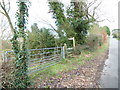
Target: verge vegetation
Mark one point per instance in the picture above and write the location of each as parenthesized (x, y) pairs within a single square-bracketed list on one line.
[(77, 20), (68, 64)]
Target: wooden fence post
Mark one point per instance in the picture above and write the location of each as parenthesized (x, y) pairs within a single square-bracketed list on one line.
[(73, 43), (63, 52), (65, 49)]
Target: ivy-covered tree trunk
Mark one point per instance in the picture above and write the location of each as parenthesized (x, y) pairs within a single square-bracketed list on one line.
[(64, 29), (21, 79), (58, 13), (77, 17)]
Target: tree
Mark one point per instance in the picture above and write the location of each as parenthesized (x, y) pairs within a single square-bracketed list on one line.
[(21, 79), (5, 12), (4, 27), (5, 22), (76, 22), (58, 13), (107, 30), (40, 38), (77, 19), (80, 16), (64, 29), (19, 47)]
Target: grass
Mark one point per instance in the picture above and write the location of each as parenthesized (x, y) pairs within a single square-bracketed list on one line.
[(118, 38), (64, 65), (68, 64)]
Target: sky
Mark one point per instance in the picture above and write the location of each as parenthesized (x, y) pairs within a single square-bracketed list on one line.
[(108, 10), (38, 13)]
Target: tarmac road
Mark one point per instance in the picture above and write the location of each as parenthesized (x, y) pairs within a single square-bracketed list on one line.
[(109, 77)]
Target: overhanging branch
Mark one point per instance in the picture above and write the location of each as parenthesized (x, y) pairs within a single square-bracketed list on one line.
[(5, 13)]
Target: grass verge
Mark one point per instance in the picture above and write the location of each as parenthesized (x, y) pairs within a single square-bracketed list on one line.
[(68, 64)]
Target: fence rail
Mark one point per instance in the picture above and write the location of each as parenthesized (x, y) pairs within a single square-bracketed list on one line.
[(69, 52), (39, 58)]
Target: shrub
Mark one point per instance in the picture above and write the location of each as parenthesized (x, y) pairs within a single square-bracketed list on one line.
[(114, 35), (77, 50), (107, 30), (40, 38), (100, 40), (93, 41)]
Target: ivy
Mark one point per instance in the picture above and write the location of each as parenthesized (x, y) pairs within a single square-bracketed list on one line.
[(64, 29), (74, 24), (77, 19), (19, 47)]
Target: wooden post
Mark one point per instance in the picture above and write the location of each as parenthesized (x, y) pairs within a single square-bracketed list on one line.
[(73, 39), (63, 52), (73, 43), (65, 49), (55, 52)]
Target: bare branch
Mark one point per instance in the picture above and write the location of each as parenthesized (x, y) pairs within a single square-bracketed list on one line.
[(46, 22), (96, 8), (91, 14), (4, 27), (101, 20), (5, 13), (3, 3), (8, 5), (91, 3), (2, 13)]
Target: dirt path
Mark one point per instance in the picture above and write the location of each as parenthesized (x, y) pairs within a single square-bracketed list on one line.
[(86, 76)]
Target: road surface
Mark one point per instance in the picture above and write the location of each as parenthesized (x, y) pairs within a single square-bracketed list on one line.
[(109, 77)]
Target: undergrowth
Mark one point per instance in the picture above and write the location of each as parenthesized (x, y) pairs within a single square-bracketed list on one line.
[(68, 64)]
